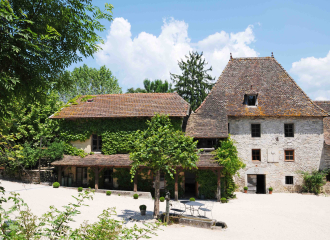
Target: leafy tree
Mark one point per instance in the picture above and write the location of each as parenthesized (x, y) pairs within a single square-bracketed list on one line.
[(40, 39), (227, 156), (161, 148), (90, 81), (195, 83), (157, 86)]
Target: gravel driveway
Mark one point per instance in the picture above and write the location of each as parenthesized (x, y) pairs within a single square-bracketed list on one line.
[(277, 216)]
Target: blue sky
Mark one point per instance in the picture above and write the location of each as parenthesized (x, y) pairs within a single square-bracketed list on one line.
[(146, 38)]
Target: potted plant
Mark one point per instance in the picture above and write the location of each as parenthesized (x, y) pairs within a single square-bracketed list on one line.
[(108, 193), (245, 189), (192, 199), (270, 190), (136, 196), (56, 185), (162, 199), (80, 189), (143, 209), (223, 200)]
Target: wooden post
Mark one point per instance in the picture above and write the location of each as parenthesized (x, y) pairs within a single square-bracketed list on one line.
[(59, 175), (176, 188), (196, 190), (96, 171), (219, 186), (135, 181)]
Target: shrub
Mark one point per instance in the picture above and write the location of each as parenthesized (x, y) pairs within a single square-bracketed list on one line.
[(118, 194), (192, 199), (136, 196), (143, 207), (108, 193), (270, 189), (162, 199), (80, 189), (56, 185), (313, 181), (246, 188), (223, 200)]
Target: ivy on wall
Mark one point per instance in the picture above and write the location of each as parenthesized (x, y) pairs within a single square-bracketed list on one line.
[(118, 135), (207, 181)]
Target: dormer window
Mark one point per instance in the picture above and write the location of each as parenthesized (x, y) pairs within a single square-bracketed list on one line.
[(250, 99)]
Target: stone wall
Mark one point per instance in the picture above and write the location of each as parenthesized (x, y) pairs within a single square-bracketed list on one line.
[(307, 144)]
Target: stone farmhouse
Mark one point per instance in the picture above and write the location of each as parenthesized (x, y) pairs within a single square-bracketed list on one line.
[(76, 171), (277, 128)]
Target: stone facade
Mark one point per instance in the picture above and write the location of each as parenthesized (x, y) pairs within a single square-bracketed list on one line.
[(307, 143)]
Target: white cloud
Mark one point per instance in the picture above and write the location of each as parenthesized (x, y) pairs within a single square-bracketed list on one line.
[(149, 56), (314, 75)]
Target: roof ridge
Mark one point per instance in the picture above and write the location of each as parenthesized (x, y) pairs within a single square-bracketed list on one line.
[(299, 88), (213, 86)]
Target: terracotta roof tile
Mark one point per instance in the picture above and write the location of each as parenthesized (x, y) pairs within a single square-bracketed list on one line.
[(127, 105), (277, 95)]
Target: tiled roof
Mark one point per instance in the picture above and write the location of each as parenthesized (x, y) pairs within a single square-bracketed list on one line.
[(325, 105), (277, 95), (120, 160), (326, 121), (127, 105)]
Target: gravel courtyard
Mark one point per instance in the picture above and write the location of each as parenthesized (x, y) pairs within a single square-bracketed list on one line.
[(276, 216)]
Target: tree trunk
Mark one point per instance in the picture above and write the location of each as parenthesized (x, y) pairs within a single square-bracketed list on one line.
[(156, 204)]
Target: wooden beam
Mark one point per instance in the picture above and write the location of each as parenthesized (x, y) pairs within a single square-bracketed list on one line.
[(176, 188), (59, 175), (96, 171), (219, 186)]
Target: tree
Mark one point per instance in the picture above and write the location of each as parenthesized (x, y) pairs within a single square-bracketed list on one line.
[(227, 156), (162, 148), (39, 40), (195, 83), (90, 81), (156, 86)]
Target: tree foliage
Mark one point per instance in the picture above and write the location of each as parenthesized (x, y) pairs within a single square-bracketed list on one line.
[(162, 148), (227, 156), (40, 39), (156, 86), (195, 82), (90, 81)]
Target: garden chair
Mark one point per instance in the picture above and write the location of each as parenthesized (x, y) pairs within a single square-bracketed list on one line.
[(176, 207), (207, 208)]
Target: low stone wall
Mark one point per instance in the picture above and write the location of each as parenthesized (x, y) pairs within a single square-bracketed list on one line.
[(31, 176)]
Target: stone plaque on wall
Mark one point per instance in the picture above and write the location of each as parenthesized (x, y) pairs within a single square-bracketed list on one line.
[(273, 155)]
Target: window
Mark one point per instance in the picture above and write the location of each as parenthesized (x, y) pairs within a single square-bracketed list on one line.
[(256, 155), (289, 180), (289, 155), (96, 143), (250, 100), (288, 130), (255, 130), (228, 128)]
